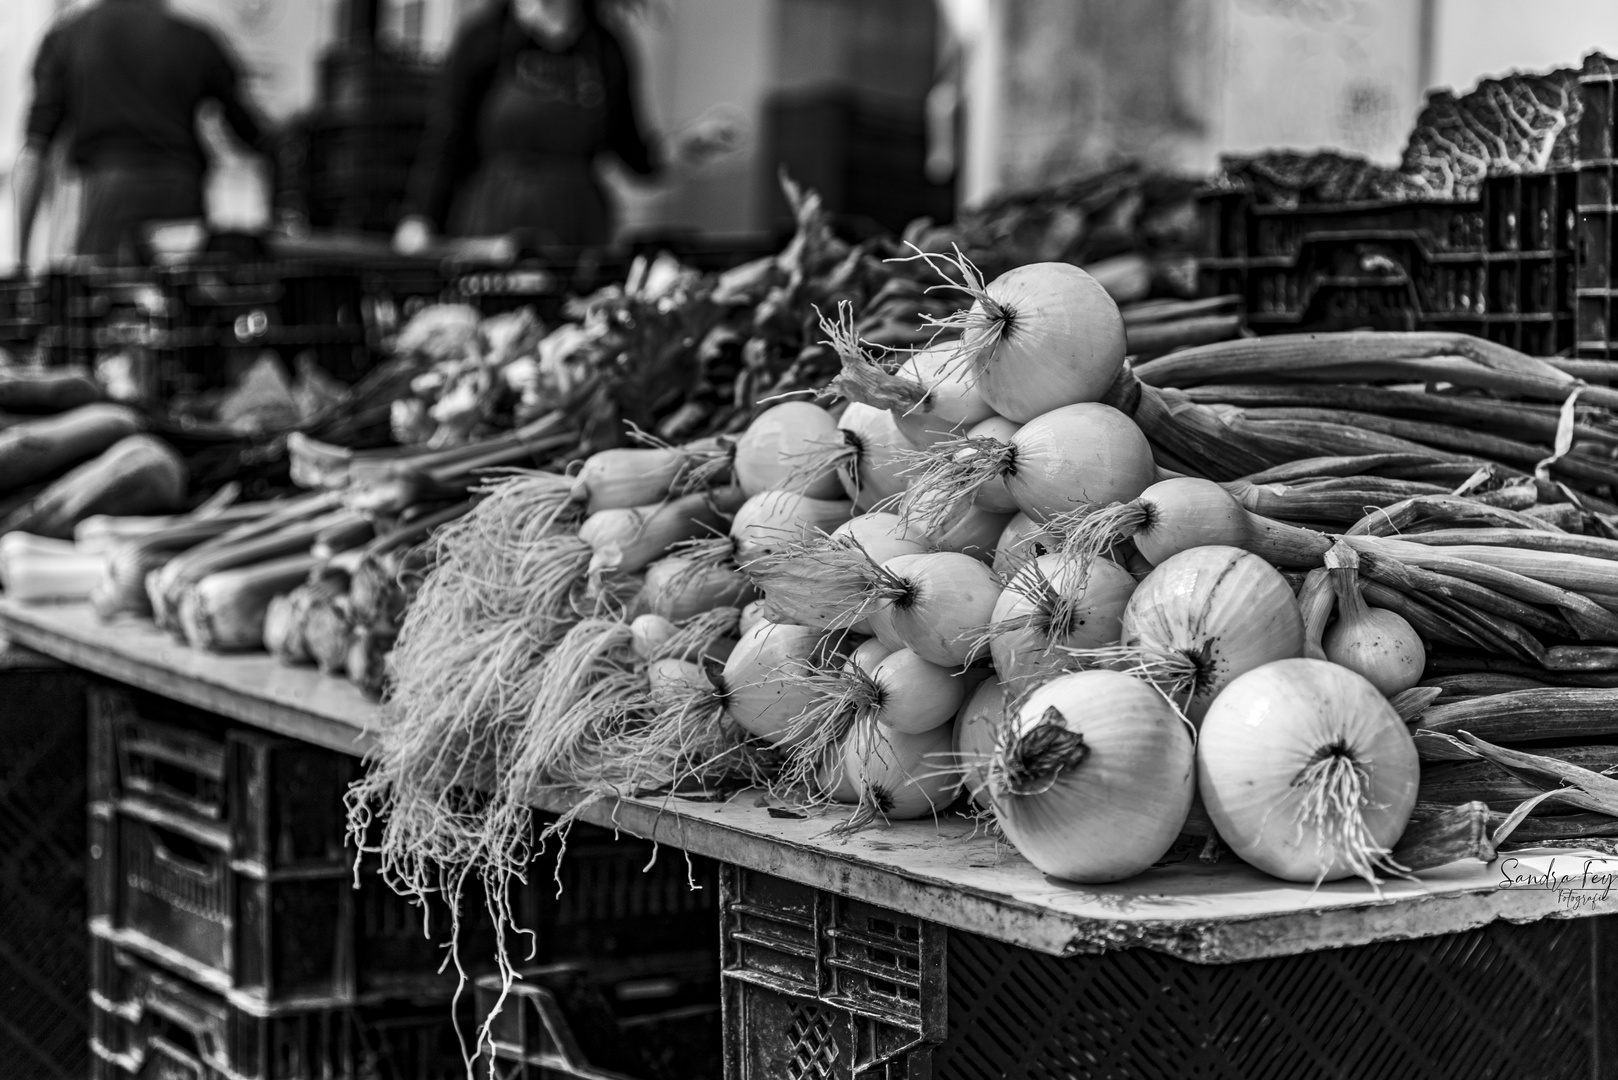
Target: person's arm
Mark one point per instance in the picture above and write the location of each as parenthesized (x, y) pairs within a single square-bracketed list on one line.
[(27, 188), (625, 137), (448, 146), (224, 85), (45, 116)]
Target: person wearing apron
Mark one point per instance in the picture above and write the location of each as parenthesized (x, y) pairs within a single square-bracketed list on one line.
[(124, 80), (531, 94)]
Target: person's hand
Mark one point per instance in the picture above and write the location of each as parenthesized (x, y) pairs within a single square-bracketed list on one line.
[(412, 236), (711, 135)]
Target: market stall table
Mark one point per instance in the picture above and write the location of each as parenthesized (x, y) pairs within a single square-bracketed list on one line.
[(926, 948)]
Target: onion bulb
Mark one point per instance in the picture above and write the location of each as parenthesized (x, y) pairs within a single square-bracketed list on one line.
[(868, 653), (936, 604), (1051, 605), (899, 776), (975, 729), (1206, 616), (933, 394), (1375, 642), (767, 684), (678, 588), (1092, 776), (875, 453), (1067, 459), (825, 581), (1167, 518), (780, 443), (1041, 336), (1307, 771), (966, 527), (1022, 540), (771, 521)]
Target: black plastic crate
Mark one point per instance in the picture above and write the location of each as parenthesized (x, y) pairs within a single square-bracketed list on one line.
[(1501, 267), (152, 1025), (280, 801), (658, 1021), (1597, 330)]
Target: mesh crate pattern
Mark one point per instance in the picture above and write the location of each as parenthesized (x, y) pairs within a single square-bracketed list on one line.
[(43, 962), (1502, 1001), (1502, 267), (152, 1025), (1598, 209), (823, 987)]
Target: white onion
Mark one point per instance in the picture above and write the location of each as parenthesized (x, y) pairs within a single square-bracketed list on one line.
[(1206, 616), (883, 536), (1307, 772), (994, 494), (950, 402), (900, 776), (937, 604), (1048, 335), (773, 520), (1167, 518), (1093, 776), (975, 730), (966, 528), (1375, 642), (870, 470), (1053, 604), (915, 695), (767, 680), (781, 444)]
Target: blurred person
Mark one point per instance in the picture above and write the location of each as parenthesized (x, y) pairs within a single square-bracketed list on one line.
[(123, 82), (531, 94)]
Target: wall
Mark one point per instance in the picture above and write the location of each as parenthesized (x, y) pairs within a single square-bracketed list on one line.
[(1476, 39)]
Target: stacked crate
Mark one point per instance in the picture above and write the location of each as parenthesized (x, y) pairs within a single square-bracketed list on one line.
[(228, 938), (1597, 169)]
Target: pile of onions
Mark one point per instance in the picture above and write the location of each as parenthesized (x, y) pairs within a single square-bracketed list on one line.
[(1040, 336), (1092, 777), (1206, 616), (1076, 456), (1374, 642), (1052, 605), (936, 604), (776, 450), (1307, 772)]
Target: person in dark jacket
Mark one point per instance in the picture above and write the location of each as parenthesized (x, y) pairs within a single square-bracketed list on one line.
[(531, 94), (123, 81)]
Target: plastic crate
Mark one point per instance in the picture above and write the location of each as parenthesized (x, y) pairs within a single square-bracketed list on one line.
[(1596, 291), (659, 1021), (819, 987), (151, 1025), (1502, 267), (280, 800)]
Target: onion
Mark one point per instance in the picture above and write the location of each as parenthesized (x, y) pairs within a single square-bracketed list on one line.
[(975, 729), (825, 581), (1022, 540), (1169, 517), (868, 653), (935, 604), (874, 456), (899, 776), (994, 493), (771, 521), (1092, 776), (1051, 603), (1307, 771), (1073, 457), (1377, 643), (752, 615), (914, 695), (678, 588), (966, 528), (1041, 336), (781, 443), (767, 680), (1204, 617), (932, 395)]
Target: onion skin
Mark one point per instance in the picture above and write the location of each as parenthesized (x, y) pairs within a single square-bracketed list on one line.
[(868, 653), (883, 536), (873, 476), (767, 684), (971, 531), (1079, 455), (1186, 512), (949, 598), (975, 728), (1118, 802), (902, 776), (1101, 589), (1224, 610), (1266, 728), (772, 452), (917, 696), (1022, 540), (1062, 342), (752, 615), (677, 588)]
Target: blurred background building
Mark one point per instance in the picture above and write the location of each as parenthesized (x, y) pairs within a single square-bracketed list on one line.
[(890, 106)]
